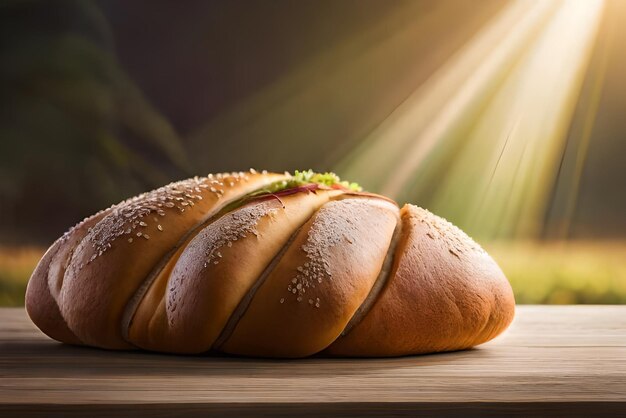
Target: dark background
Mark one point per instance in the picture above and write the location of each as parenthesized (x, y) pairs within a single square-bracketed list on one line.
[(102, 100)]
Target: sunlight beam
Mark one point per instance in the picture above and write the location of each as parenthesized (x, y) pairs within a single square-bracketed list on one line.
[(389, 157), (532, 112), (480, 142)]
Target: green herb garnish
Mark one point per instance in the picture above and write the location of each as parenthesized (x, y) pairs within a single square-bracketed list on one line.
[(302, 178)]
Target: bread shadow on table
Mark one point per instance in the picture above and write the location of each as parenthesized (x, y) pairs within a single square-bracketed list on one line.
[(51, 356)]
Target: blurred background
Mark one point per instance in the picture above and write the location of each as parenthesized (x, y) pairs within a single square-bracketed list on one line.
[(506, 117)]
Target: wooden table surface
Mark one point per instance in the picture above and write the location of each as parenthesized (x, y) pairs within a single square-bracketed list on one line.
[(552, 361)]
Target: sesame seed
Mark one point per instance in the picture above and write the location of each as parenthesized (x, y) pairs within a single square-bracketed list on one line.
[(159, 227), (138, 234), (146, 236), (282, 300), (130, 240), (142, 223)]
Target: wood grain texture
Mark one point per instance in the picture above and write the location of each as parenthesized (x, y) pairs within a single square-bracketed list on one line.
[(552, 361)]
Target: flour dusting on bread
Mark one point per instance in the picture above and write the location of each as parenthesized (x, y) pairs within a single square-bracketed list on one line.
[(235, 225), (335, 222)]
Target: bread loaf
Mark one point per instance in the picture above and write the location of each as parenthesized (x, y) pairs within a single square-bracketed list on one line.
[(268, 265)]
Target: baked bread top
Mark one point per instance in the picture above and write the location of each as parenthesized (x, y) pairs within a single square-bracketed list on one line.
[(267, 264)]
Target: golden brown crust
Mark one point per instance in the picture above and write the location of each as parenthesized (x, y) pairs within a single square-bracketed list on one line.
[(41, 305), (202, 285), (312, 293), (46, 281), (276, 276), (119, 251), (444, 293)]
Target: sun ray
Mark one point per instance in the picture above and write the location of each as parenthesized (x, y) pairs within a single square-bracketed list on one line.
[(481, 142)]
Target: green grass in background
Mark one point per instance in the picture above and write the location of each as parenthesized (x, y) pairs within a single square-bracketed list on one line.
[(566, 272), (16, 266), (550, 273)]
